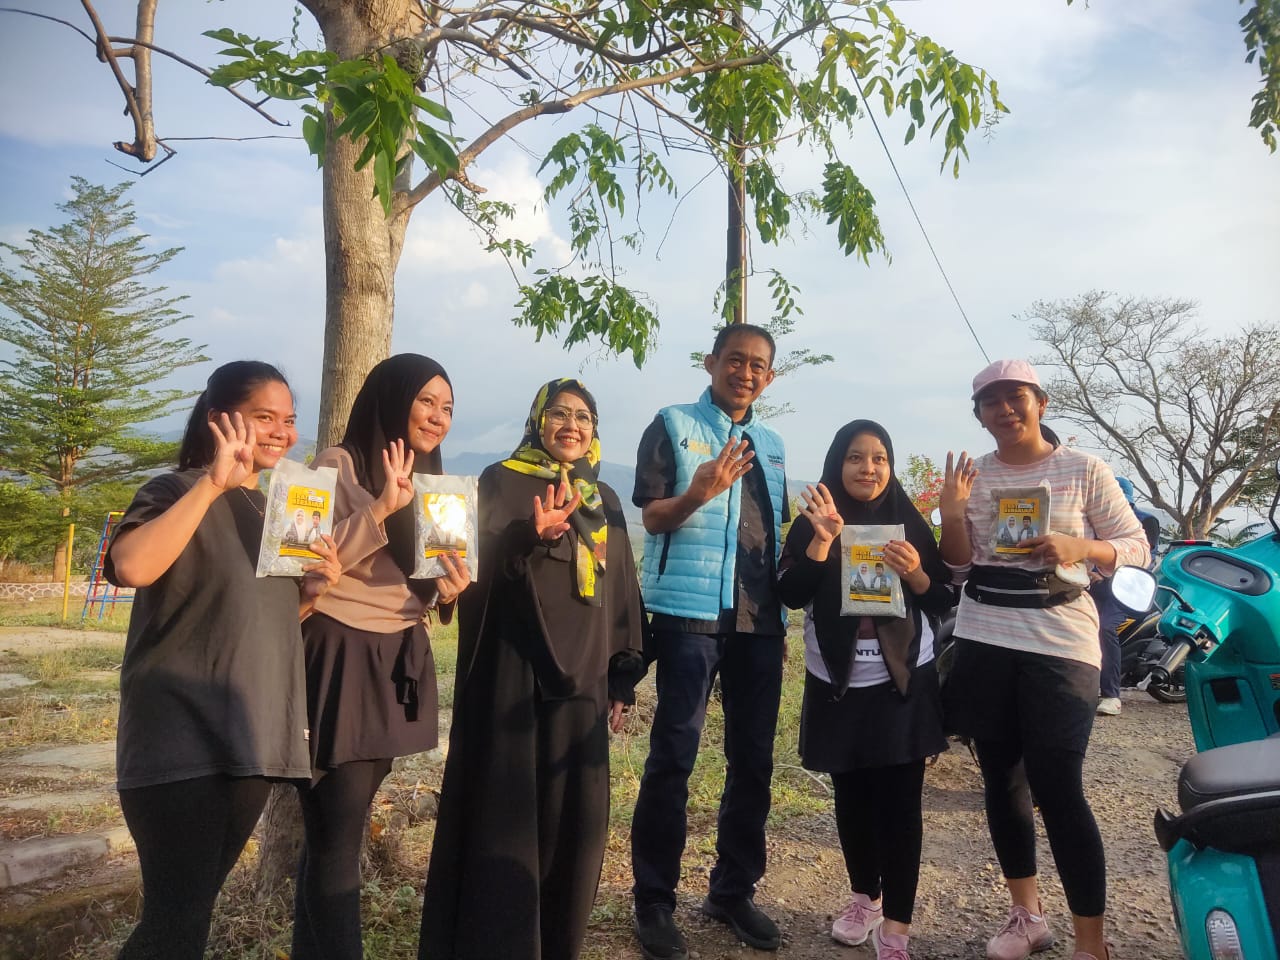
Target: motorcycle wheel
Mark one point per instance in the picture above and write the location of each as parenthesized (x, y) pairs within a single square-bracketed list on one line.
[(1175, 691)]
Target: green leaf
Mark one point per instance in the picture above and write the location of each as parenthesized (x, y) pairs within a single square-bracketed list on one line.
[(430, 107), (313, 134), (383, 178)]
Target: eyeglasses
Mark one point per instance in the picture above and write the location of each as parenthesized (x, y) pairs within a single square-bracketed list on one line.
[(559, 416)]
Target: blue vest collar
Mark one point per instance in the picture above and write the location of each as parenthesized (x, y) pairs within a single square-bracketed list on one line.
[(707, 408)]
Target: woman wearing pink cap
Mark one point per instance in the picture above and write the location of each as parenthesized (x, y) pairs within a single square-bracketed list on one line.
[(1025, 682)]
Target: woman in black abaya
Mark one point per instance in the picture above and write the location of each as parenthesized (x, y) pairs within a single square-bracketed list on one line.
[(549, 651)]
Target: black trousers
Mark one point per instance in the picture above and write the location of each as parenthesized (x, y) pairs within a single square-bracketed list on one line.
[(1011, 777), (189, 835), (750, 669), (1030, 716), (881, 830), (326, 916)]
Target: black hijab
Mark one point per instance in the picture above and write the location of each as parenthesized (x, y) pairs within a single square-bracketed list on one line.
[(837, 635), (892, 506), (380, 416)]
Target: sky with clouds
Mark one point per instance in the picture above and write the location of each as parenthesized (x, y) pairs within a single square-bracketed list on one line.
[(1125, 165)]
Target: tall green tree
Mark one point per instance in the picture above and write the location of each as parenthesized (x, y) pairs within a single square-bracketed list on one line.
[(406, 97), (88, 337)]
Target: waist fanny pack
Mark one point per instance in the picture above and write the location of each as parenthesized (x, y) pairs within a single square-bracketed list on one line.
[(1011, 587)]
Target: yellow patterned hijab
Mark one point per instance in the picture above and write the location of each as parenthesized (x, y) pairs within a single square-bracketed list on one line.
[(588, 521)]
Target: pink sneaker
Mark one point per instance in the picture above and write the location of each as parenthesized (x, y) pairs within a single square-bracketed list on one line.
[(858, 920), (889, 946), (1022, 935)]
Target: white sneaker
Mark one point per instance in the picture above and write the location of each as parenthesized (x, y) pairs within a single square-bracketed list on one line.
[(1109, 706)]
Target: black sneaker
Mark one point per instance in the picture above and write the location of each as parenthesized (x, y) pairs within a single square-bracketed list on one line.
[(747, 921), (660, 938)]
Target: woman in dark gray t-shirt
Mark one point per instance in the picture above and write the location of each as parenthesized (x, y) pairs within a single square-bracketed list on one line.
[(212, 694)]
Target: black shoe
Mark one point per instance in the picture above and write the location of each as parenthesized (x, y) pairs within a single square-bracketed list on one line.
[(660, 938), (747, 921)]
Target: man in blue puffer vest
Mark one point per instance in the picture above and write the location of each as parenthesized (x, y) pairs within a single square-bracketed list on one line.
[(711, 482)]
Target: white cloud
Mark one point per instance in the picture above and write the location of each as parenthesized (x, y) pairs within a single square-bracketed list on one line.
[(439, 238), (476, 295)]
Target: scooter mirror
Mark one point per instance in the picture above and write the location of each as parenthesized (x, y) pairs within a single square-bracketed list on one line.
[(1134, 589)]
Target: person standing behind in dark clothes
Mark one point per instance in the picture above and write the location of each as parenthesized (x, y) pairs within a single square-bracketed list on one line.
[(212, 695), (1150, 523), (550, 647), (872, 713), (1111, 615), (709, 474), (371, 679)]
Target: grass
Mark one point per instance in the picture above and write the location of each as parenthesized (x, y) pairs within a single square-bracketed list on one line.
[(245, 927), (48, 613), (59, 666), (75, 698), (31, 722), (25, 824)]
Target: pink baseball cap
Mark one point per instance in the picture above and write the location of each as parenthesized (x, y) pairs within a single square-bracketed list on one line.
[(1009, 371)]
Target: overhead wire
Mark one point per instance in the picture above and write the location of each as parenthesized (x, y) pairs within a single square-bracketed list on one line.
[(920, 223)]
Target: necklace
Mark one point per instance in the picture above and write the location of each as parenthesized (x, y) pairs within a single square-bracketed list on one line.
[(256, 508)]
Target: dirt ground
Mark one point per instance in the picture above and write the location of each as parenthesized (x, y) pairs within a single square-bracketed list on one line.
[(1131, 769), (30, 640)]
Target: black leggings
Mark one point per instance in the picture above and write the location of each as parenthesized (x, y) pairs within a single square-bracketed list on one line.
[(1055, 777), (879, 822), (189, 835), (326, 918)]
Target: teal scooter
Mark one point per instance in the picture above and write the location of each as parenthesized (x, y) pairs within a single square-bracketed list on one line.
[(1223, 846)]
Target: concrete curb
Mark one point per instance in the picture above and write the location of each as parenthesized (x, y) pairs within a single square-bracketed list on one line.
[(27, 861)]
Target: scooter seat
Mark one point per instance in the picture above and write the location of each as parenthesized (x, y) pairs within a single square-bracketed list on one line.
[(1242, 768), (1230, 798)]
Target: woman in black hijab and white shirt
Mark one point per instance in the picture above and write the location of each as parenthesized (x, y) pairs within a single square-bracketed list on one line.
[(371, 680), (872, 713)]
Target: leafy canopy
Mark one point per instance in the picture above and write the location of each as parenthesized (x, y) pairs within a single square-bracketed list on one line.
[(738, 86)]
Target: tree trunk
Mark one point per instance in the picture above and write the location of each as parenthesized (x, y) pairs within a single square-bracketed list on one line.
[(281, 840), (361, 245), (362, 249)]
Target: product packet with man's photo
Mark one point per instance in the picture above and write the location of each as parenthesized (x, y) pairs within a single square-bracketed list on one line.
[(871, 587), (299, 511)]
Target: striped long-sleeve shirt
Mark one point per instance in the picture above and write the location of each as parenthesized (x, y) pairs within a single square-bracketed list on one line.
[(1085, 501)]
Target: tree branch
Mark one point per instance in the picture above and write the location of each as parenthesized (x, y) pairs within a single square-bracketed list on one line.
[(146, 44), (144, 136), (433, 180)]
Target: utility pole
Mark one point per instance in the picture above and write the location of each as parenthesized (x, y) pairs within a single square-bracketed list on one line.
[(735, 267)]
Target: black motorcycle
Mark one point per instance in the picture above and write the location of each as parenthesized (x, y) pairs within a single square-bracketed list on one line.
[(1141, 648)]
